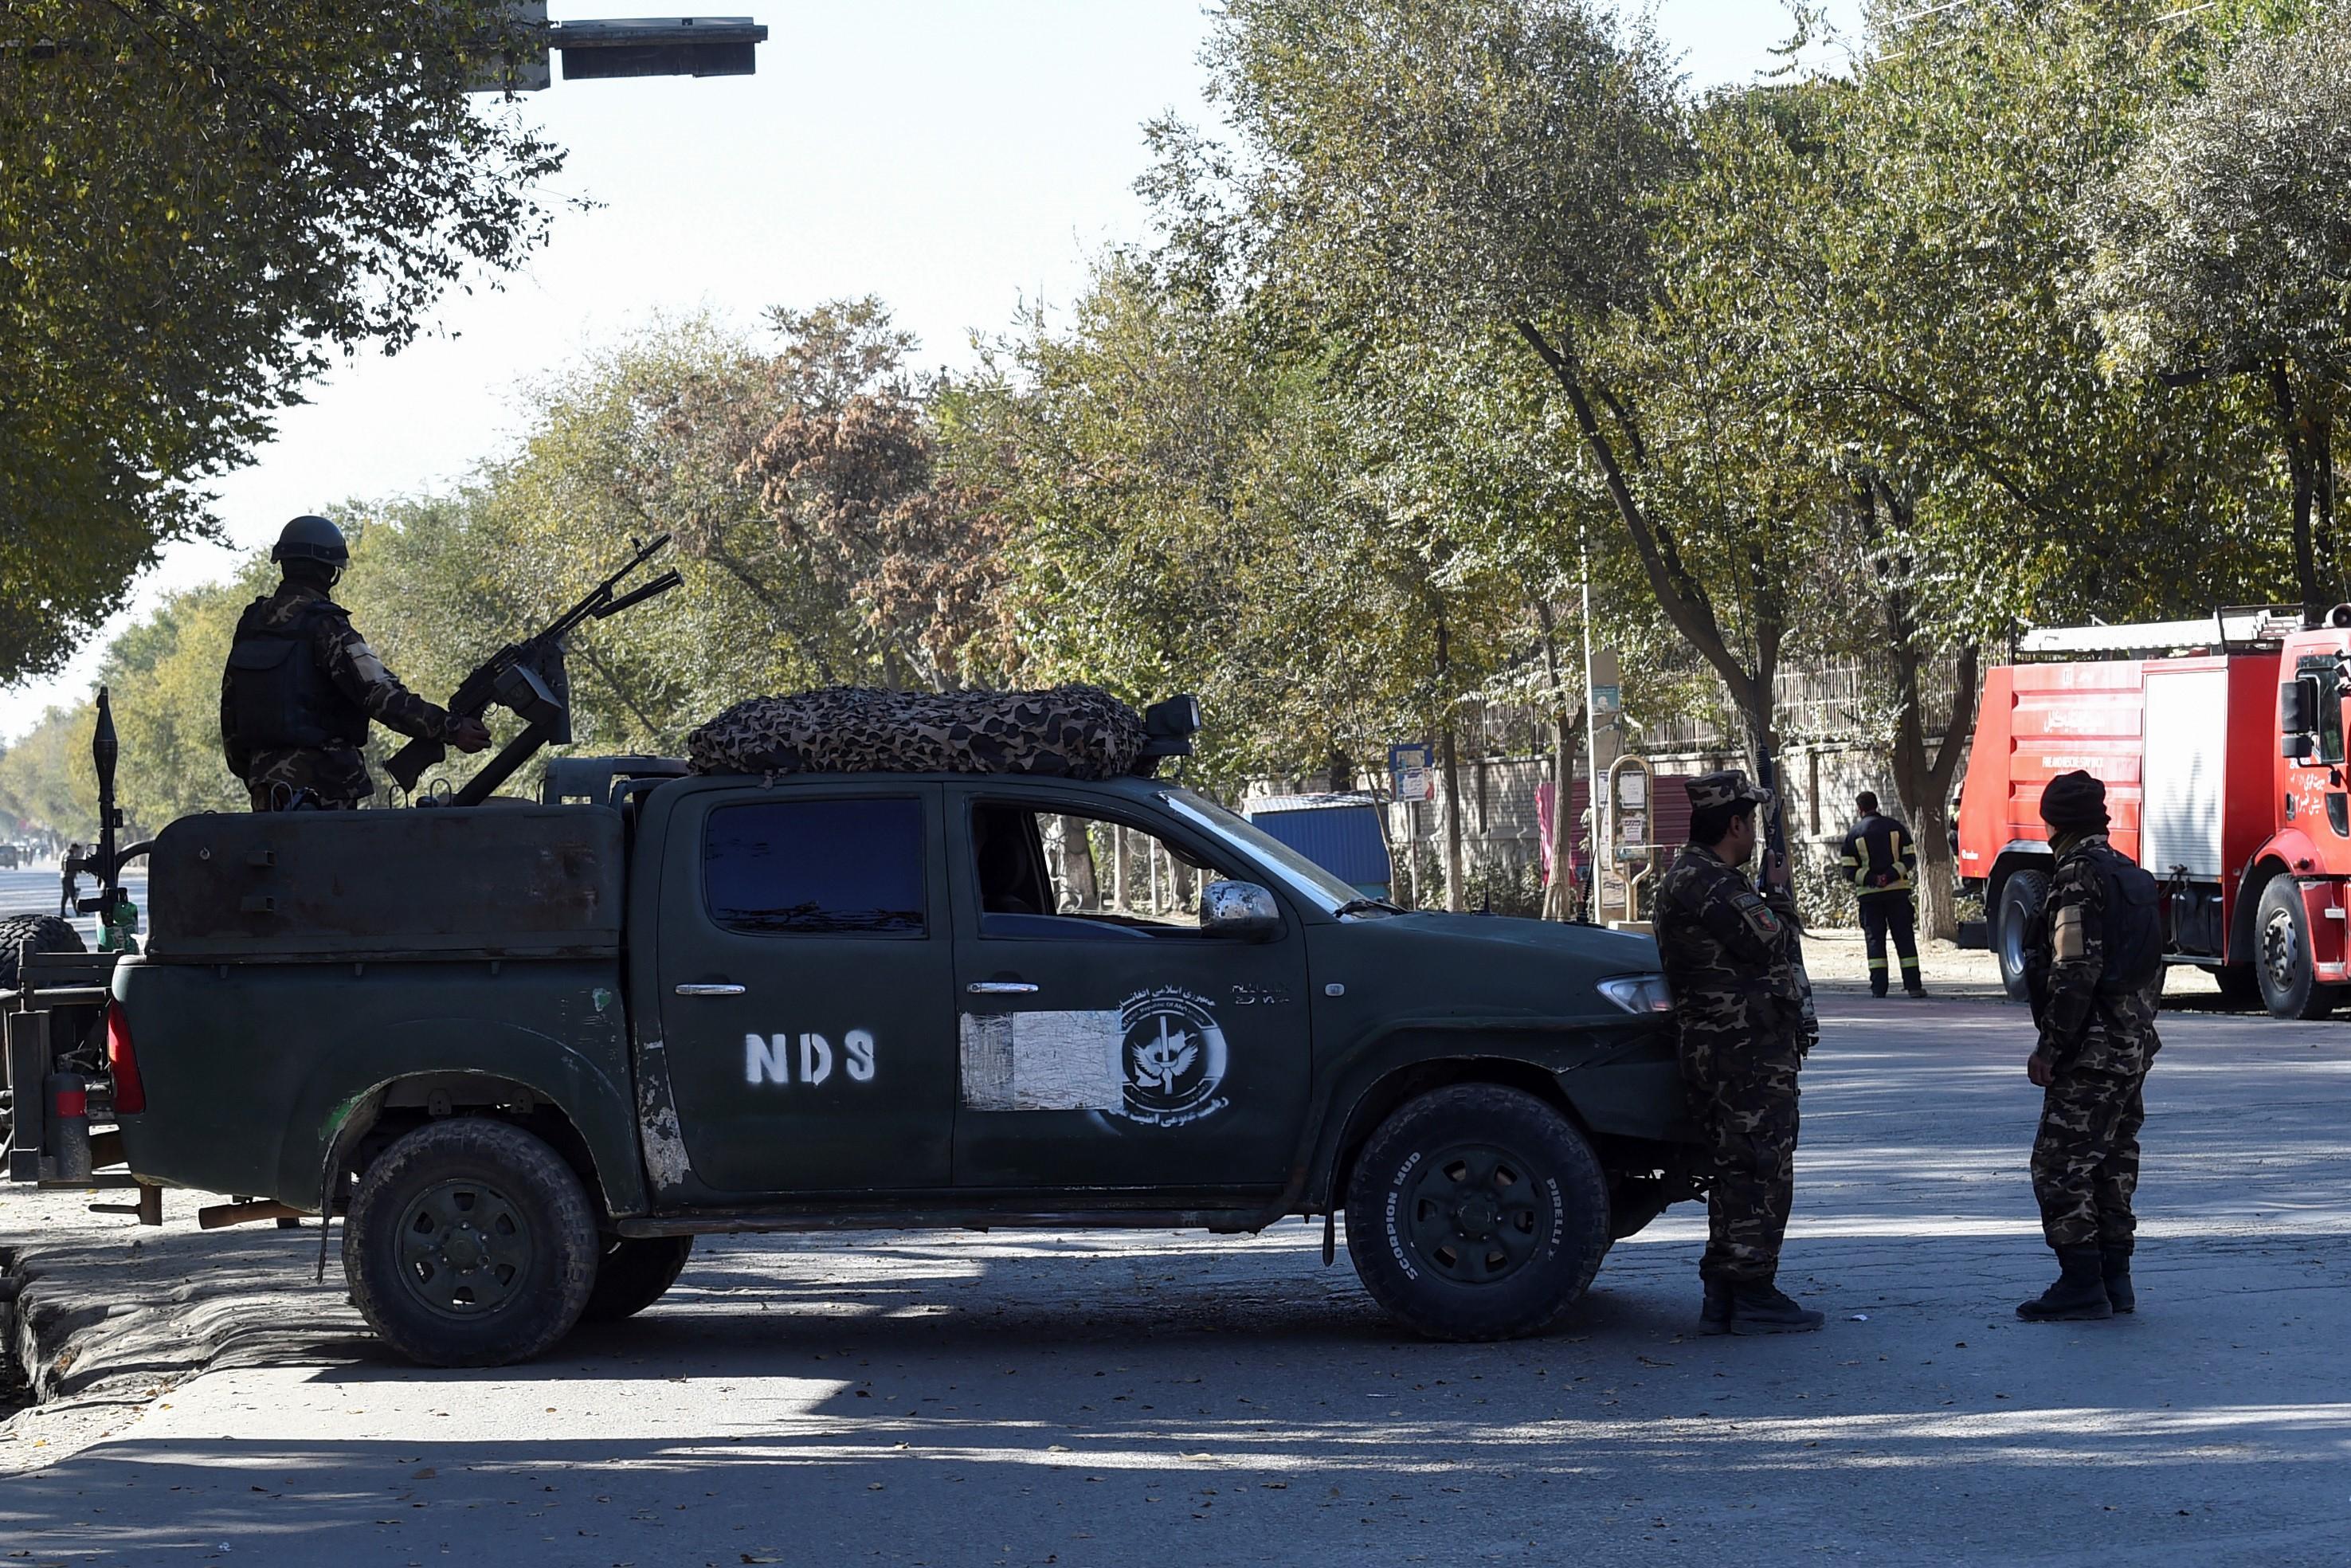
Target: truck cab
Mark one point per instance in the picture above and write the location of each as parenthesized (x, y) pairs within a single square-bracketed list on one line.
[(530, 1050), (2221, 746)]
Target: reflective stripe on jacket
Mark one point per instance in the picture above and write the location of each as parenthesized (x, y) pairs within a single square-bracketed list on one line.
[(1879, 856)]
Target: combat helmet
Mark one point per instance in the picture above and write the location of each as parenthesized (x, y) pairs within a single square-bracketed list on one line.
[(309, 538)]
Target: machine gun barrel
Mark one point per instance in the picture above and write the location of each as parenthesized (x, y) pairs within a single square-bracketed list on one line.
[(541, 654)]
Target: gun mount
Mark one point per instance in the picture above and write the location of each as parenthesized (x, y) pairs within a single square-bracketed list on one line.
[(529, 680)]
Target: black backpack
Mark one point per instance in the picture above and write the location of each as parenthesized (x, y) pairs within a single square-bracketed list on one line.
[(2133, 923)]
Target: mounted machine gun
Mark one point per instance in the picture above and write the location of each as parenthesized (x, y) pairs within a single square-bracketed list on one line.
[(529, 679)]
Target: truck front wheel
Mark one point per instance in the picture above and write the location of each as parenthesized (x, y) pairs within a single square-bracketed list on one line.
[(1477, 1212), (470, 1243), (2020, 896), (633, 1274), (2282, 955)]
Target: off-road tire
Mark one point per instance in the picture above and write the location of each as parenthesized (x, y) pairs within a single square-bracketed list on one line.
[(632, 1274), (538, 1213), (2021, 897), (2281, 956), (40, 932), (1402, 1214)]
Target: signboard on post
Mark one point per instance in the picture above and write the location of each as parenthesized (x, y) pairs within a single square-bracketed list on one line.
[(1412, 769)]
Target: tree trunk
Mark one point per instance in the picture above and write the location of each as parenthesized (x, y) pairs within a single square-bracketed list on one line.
[(1449, 754), (2299, 464), (1680, 595), (1077, 863), (1922, 782), (1561, 900)]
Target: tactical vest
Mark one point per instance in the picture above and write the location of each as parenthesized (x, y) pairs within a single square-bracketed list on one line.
[(278, 697), (2133, 924)]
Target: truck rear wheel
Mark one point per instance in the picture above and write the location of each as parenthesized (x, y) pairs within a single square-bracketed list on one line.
[(34, 933), (633, 1274), (1477, 1212), (470, 1243), (2282, 955), (2020, 896)]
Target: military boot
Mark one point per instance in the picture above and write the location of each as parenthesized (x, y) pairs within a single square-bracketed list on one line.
[(2115, 1264), (2079, 1295), (1759, 1306), (1714, 1313)]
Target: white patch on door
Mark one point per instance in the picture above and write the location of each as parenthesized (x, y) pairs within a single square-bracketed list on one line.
[(1044, 1061)]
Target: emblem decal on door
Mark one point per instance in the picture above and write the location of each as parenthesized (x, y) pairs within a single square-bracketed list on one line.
[(1175, 1057)]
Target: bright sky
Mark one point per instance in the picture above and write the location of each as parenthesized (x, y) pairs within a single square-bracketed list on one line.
[(955, 157)]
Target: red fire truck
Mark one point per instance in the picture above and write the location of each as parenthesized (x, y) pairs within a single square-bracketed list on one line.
[(2221, 745)]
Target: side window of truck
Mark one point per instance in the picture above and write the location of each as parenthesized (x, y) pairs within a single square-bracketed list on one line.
[(830, 867), (1053, 873)]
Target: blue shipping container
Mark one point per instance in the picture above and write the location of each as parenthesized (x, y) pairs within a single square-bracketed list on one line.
[(1341, 833)]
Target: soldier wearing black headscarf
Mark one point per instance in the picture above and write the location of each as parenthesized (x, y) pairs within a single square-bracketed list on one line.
[(2093, 965), (1743, 1019), (302, 685)]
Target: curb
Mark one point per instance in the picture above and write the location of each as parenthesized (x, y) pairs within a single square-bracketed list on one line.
[(98, 1316)]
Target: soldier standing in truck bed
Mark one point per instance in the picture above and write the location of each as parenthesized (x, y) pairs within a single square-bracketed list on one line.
[(302, 684), (2093, 965), (1743, 1019), (1881, 860)]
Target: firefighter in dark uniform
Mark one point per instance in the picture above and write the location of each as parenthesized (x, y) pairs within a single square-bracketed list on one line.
[(1743, 1022), (302, 684), (2095, 967), (1881, 860)]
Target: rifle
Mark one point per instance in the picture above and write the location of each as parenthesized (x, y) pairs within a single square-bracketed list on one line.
[(528, 677)]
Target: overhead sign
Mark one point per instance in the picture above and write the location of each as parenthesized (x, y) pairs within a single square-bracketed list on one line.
[(1412, 769)]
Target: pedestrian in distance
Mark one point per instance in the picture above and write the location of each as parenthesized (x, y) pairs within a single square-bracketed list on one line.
[(1743, 1025), (1881, 860), (2095, 967), (302, 685)]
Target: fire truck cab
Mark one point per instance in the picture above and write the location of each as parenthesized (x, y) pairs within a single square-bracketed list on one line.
[(2221, 743)]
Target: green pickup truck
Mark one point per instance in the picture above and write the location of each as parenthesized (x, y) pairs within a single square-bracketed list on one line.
[(529, 1050)]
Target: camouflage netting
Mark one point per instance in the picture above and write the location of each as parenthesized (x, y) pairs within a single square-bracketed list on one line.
[(1072, 732)]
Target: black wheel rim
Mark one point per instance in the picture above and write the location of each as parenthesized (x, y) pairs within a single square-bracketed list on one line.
[(464, 1248), (1474, 1214), (2281, 951)]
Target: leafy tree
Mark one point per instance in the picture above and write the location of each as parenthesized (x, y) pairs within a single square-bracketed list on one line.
[(200, 204), (2222, 249), (1495, 165), (47, 777)]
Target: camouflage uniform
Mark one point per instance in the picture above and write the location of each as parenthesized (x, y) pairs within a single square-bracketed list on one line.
[(336, 774), (1743, 1015), (2099, 1047)]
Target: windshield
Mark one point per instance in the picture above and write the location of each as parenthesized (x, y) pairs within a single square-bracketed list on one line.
[(1300, 876)]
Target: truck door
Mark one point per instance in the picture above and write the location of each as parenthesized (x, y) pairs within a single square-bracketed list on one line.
[(805, 978), (1105, 1040)]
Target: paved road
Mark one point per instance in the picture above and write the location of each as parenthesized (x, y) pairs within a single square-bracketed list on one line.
[(1085, 1399), (35, 891)]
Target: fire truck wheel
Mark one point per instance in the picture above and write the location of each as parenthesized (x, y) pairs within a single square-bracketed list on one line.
[(2282, 955), (2019, 901), (35, 933)]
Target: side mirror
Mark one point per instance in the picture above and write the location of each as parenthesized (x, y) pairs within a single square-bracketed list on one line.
[(1239, 909)]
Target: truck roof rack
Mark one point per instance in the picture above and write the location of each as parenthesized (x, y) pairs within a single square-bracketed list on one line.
[(2229, 628)]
